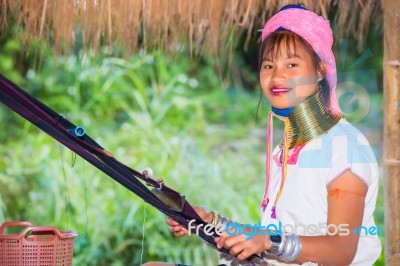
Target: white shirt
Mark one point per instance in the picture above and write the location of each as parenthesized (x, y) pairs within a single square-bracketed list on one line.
[(303, 204)]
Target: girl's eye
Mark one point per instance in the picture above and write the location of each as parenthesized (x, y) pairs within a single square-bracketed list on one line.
[(292, 65), (267, 66)]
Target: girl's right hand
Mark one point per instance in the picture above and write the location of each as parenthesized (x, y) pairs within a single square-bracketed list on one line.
[(179, 230)]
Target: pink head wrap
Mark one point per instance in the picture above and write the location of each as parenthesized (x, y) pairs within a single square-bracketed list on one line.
[(317, 32)]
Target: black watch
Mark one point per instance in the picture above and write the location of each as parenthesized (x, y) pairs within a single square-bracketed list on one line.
[(277, 245)]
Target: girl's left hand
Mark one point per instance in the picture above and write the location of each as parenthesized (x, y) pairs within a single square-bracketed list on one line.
[(242, 248)]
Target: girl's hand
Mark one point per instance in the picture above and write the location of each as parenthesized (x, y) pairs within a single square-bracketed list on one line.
[(242, 247), (179, 230)]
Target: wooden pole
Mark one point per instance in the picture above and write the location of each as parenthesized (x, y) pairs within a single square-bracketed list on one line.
[(391, 154)]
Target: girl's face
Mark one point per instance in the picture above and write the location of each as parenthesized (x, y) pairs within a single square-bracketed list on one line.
[(288, 78)]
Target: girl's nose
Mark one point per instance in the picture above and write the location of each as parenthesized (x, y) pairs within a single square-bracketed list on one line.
[(278, 75)]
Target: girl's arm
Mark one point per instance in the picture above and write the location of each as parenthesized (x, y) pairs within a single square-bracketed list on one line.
[(346, 200)]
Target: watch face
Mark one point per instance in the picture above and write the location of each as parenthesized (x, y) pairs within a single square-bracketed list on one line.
[(276, 239)]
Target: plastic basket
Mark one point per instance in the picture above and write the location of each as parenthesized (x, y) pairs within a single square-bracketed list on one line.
[(36, 245)]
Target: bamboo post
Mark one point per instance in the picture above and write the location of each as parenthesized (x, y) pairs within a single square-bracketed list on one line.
[(391, 154)]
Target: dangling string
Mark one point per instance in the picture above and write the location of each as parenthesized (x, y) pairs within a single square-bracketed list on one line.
[(66, 192), (270, 125), (85, 191), (285, 153), (82, 238), (67, 199), (144, 222)]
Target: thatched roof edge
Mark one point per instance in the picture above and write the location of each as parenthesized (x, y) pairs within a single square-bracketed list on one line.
[(201, 25)]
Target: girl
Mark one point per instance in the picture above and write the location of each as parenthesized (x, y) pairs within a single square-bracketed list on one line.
[(322, 179)]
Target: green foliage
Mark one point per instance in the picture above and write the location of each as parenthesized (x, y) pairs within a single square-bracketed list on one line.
[(150, 110), (7, 59)]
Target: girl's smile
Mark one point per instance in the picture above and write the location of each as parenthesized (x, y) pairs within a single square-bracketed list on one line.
[(277, 91)]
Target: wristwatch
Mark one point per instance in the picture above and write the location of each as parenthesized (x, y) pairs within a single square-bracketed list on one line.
[(278, 243)]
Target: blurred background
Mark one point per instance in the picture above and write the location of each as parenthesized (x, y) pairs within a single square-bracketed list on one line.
[(194, 116)]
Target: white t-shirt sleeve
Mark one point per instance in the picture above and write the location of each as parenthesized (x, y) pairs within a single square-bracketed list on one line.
[(351, 151)]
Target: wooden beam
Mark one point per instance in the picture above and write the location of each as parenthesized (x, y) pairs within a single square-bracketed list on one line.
[(391, 153)]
